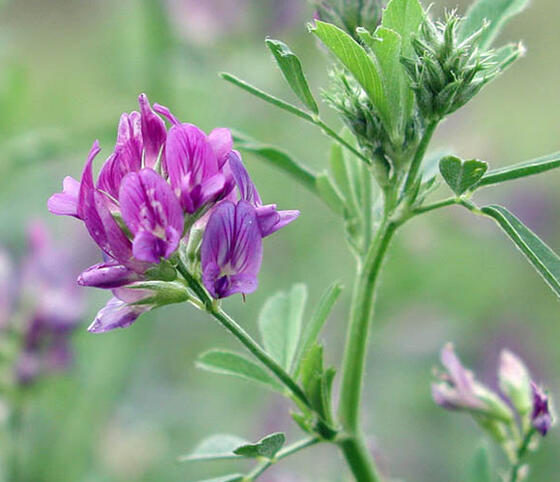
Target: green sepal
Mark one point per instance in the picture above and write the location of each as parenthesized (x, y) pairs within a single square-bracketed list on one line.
[(163, 271), (266, 448), (162, 292), (291, 67), (461, 175), (302, 421)]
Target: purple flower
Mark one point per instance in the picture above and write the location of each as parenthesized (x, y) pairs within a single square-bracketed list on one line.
[(231, 251), (153, 192), (541, 417), (457, 388), (195, 163), (118, 313), (153, 214), (56, 310), (269, 218)]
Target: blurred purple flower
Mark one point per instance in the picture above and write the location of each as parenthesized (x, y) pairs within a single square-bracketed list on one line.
[(457, 389), (6, 289), (56, 306), (541, 417)]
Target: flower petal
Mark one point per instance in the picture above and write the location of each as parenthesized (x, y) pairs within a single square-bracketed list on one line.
[(65, 203), (231, 251), (222, 142), (152, 212), (153, 132), (247, 190), (107, 276), (116, 314)]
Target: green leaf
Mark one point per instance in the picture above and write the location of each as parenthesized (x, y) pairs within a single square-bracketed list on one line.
[(261, 94), (216, 447), (227, 478), (280, 324), (403, 17), (386, 46), (461, 175), (317, 382), (545, 261), (346, 177), (318, 320), (278, 158), (480, 469), (357, 61), (290, 65), (267, 447), (496, 12), (234, 364), (329, 193), (507, 55), (523, 169)]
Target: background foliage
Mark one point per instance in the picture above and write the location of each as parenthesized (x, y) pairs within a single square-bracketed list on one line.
[(135, 401)]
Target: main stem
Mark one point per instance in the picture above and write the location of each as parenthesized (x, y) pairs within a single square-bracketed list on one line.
[(352, 443)]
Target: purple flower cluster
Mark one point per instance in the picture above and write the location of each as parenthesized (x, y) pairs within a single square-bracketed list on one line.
[(157, 185), (47, 305), (457, 389)]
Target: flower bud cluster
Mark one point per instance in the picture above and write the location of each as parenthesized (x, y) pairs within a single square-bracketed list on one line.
[(447, 71), (160, 193), (356, 110), (349, 14), (510, 424)]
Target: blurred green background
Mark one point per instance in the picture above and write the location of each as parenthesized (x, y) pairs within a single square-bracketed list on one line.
[(135, 401)]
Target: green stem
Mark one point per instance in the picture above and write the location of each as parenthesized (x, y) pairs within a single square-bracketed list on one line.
[(437, 205), (419, 156), (361, 312), (521, 452), (286, 452), (359, 459), (15, 428), (236, 330), (331, 133)]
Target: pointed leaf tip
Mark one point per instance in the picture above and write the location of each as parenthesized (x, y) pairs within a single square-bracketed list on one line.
[(292, 69)]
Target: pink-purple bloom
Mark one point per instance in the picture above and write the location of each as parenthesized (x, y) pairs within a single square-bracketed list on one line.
[(151, 191), (541, 418), (457, 388), (53, 308)]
